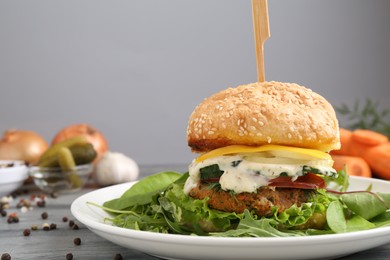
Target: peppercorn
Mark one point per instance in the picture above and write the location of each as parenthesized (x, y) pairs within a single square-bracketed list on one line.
[(118, 257), (65, 219), (46, 227), (12, 218), (44, 215), (41, 203), (77, 241), (69, 256), (26, 232), (53, 226), (71, 223), (5, 256), (75, 227), (3, 213), (34, 227)]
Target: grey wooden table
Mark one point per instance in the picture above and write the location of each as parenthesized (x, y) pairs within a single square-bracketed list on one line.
[(57, 243)]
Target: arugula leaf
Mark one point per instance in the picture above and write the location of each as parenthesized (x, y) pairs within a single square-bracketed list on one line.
[(252, 227)]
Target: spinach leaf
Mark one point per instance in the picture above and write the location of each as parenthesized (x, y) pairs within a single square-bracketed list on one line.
[(143, 191), (339, 223), (382, 219), (364, 204)]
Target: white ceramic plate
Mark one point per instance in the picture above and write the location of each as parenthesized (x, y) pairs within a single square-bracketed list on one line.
[(171, 246)]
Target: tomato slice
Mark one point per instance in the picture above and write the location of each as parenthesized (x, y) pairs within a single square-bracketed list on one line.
[(308, 181)]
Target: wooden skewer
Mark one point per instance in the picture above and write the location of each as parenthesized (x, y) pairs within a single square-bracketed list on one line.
[(261, 33)]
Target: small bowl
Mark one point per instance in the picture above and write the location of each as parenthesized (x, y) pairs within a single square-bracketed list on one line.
[(54, 179), (12, 176)]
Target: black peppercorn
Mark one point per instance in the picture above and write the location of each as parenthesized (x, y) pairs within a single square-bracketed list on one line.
[(77, 241), (65, 219), (118, 257), (26, 232), (71, 223), (44, 215), (75, 227), (41, 203), (69, 256), (53, 226), (5, 256)]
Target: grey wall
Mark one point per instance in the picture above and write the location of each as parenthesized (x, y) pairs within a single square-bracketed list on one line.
[(136, 69)]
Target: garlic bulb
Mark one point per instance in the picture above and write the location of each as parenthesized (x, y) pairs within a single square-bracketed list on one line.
[(114, 168)]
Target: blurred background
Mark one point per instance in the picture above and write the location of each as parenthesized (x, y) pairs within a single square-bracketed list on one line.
[(136, 69)]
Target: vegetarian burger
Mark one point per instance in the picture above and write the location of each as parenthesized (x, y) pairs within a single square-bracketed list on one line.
[(264, 148)]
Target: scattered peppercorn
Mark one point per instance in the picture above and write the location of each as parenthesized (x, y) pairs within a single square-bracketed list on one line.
[(12, 218), (65, 219), (34, 227), (26, 232), (5, 256), (41, 203), (44, 215), (23, 203), (69, 256), (71, 223), (3, 213), (46, 227), (77, 241), (118, 257), (53, 226), (75, 227)]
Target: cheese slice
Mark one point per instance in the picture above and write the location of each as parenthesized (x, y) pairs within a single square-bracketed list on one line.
[(234, 149)]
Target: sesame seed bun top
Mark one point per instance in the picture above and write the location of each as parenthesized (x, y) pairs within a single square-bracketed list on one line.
[(264, 113)]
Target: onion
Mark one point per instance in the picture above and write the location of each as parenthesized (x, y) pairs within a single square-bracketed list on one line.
[(22, 145), (95, 137)]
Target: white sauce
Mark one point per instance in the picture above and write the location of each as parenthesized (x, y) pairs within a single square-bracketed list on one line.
[(249, 175)]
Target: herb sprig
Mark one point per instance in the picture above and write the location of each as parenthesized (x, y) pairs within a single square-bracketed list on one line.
[(366, 116)]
